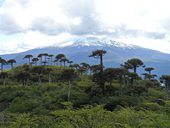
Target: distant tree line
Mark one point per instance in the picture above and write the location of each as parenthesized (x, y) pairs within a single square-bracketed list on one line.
[(126, 75)]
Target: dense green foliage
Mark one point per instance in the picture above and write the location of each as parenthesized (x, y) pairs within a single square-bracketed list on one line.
[(82, 96)]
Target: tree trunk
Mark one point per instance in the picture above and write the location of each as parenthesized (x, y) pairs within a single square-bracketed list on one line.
[(40, 60), (51, 61), (101, 62), (135, 69), (12, 66), (45, 60), (64, 63), (149, 72), (102, 80), (29, 60)]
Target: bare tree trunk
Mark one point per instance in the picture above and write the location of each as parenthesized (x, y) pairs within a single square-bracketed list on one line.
[(64, 64), (12, 66), (51, 61), (135, 69), (40, 60)]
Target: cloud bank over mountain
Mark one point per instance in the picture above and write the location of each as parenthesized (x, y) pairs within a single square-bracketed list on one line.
[(26, 24)]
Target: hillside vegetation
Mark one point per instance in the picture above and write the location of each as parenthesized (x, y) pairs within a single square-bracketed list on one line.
[(54, 92)]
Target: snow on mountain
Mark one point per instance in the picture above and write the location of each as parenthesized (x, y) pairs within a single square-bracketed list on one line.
[(80, 42), (79, 49)]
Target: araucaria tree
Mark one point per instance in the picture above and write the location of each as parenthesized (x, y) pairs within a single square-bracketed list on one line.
[(51, 58), (99, 54), (35, 60), (149, 69), (40, 58), (64, 60), (29, 56), (2, 62), (85, 66), (11, 62), (134, 63), (149, 75), (45, 58), (59, 57)]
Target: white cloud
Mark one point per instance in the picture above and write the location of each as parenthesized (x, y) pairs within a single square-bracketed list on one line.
[(44, 22), (159, 45), (30, 40)]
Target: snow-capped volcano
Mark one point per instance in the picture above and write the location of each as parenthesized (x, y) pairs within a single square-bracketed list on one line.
[(93, 42), (79, 49)]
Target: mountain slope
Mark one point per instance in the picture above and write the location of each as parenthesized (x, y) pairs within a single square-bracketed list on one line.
[(117, 53)]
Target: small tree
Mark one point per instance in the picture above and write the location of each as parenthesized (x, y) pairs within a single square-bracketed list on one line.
[(51, 58), (64, 60), (35, 60), (23, 76), (75, 66), (70, 62), (45, 58), (40, 58), (86, 66), (59, 57), (2, 62), (81, 70), (149, 75), (68, 75), (11, 62), (110, 74), (4, 75), (134, 63), (95, 68), (39, 70), (132, 76), (99, 54), (149, 69), (29, 56)]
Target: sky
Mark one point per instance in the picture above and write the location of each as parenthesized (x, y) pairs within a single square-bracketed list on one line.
[(27, 24)]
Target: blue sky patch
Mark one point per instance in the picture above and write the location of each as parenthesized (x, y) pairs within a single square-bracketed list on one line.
[(1, 2)]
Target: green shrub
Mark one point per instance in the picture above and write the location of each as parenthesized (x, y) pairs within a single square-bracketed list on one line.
[(151, 106), (156, 93)]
